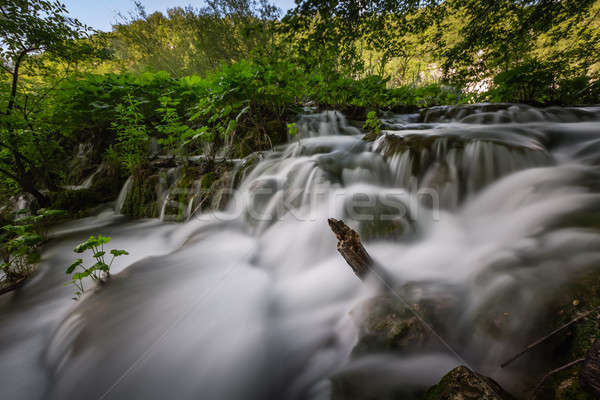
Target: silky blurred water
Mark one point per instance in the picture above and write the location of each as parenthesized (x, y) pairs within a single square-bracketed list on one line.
[(253, 302)]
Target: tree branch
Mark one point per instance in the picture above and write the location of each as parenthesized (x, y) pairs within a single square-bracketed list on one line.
[(554, 372), (548, 336), (357, 257), (10, 175)]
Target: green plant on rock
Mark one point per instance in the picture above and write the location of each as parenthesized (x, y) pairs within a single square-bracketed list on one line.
[(292, 129), (100, 271), (19, 253), (372, 124), (132, 133), (20, 241), (174, 133)]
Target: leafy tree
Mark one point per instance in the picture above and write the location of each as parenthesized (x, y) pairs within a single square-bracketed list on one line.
[(500, 35), (194, 40), (31, 32), (334, 35)]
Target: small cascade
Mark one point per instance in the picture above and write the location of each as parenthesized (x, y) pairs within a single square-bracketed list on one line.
[(328, 123), (123, 194), (456, 162), (87, 182), (504, 113)]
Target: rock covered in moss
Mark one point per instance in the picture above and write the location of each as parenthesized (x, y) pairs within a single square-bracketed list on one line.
[(590, 372), (386, 323), (141, 200), (463, 384), (579, 295), (246, 167)]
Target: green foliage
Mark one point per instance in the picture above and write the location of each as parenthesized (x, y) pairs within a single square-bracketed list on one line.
[(552, 41), (187, 41), (30, 26), (19, 243), (540, 82), (173, 133), (372, 125), (242, 100), (292, 129), (338, 36), (132, 134), (74, 200), (33, 34), (99, 271)]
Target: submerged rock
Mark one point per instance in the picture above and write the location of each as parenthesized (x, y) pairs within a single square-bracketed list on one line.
[(387, 324), (463, 384)]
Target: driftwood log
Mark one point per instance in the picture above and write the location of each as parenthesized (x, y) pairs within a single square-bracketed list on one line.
[(357, 257)]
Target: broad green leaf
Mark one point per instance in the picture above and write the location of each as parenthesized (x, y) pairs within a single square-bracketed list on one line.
[(72, 267)]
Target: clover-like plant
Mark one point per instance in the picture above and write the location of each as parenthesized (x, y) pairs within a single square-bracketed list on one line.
[(100, 271)]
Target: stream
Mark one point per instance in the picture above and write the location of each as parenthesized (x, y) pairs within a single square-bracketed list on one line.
[(478, 207)]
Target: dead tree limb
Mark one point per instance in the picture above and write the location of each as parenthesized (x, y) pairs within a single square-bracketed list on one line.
[(554, 372), (357, 257), (548, 336)]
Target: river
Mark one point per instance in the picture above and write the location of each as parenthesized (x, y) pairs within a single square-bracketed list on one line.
[(477, 206)]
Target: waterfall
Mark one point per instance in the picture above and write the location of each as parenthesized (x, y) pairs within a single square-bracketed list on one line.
[(480, 213)]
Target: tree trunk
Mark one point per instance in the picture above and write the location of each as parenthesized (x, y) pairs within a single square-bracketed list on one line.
[(27, 185)]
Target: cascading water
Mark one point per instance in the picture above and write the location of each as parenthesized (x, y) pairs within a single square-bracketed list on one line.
[(474, 207), (123, 194)]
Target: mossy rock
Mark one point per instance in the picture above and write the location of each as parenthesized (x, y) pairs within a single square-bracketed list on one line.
[(572, 299), (74, 200), (371, 136), (383, 218), (386, 324), (142, 198), (189, 175), (463, 384), (248, 164), (108, 183), (207, 180), (564, 386)]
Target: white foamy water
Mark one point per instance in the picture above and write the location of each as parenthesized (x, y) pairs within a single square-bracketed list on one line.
[(253, 302)]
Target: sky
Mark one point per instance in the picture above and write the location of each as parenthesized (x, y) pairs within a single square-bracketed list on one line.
[(101, 14)]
